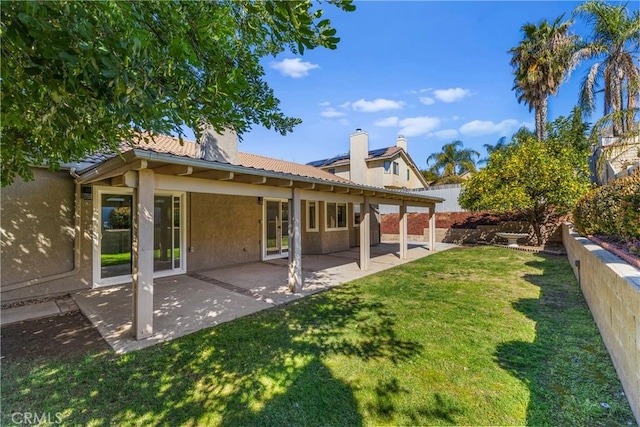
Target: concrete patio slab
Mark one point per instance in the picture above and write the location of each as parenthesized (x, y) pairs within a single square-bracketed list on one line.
[(181, 305), (187, 303)]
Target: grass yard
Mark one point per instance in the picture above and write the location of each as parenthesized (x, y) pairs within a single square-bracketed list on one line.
[(470, 336)]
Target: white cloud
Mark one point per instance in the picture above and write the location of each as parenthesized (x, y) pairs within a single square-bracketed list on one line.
[(455, 118), (445, 134), (451, 95), (343, 122), (331, 112), (479, 127), (324, 104), (414, 126), (379, 104), (387, 122), (427, 101), (345, 105), (294, 67)]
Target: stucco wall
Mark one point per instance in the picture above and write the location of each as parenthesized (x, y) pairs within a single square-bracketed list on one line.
[(37, 222), (612, 290), (224, 230)]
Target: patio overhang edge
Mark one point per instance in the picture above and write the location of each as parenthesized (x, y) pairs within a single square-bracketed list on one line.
[(136, 159)]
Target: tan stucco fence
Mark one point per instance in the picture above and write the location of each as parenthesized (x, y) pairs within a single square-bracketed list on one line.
[(612, 290)]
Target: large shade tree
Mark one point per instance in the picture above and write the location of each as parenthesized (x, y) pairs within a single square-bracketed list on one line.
[(82, 76), (541, 62), (614, 43), (453, 160)]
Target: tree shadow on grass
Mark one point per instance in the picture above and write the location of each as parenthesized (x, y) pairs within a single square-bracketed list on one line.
[(265, 369), (567, 368)]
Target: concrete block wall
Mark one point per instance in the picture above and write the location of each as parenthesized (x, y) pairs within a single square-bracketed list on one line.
[(611, 288)]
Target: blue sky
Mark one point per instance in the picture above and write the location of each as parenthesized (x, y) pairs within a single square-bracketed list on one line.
[(432, 71)]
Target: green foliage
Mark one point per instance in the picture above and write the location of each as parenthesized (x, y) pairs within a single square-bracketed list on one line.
[(429, 175), (120, 217), (536, 177), (614, 42), (540, 63), (453, 160), (611, 210), (78, 77)]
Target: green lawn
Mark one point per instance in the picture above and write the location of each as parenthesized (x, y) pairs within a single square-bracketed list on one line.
[(472, 336), (107, 260)]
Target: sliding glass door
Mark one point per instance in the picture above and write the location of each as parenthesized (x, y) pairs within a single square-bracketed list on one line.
[(276, 229), (113, 235)]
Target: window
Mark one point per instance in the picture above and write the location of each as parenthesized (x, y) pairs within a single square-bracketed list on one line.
[(408, 175), (312, 216), (356, 215), (396, 168), (333, 171), (387, 167), (336, 216)]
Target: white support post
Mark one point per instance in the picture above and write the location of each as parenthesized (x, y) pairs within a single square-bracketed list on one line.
[(365, 234), (402, 223), (295, 242), (142, 251), (432, 228)]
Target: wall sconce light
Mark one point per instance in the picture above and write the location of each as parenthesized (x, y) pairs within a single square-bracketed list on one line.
[(260, 200)]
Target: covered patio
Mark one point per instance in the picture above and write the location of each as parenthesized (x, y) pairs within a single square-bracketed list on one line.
[(187, 303)]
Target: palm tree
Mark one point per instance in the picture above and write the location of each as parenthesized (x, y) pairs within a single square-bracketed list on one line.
[(615, 39), (502, 143), (453, 161), (543, 59)]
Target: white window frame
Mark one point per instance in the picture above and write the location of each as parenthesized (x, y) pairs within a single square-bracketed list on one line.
[(326, 217), (98, 191), (396, 168), (356, 224), (387, 166), (315, 207)]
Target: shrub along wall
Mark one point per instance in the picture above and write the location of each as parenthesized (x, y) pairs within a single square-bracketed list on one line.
[(611, 210)]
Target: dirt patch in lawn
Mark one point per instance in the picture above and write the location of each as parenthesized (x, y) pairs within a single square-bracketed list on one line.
[(65, 337)]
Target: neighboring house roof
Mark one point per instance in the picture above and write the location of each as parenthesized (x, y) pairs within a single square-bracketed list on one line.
[(343, 159), (374, 155)]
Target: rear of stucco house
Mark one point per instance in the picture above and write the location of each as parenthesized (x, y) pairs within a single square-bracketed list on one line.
[(39, 233), (168, 208)]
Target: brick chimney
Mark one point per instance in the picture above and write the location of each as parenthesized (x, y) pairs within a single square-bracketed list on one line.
[(218, 147), (358, 152)]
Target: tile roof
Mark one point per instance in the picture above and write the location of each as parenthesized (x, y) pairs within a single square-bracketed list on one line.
[(343, 159), (171, 145)]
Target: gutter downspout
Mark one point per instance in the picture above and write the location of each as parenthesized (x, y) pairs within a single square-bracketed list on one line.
[(76, 247)]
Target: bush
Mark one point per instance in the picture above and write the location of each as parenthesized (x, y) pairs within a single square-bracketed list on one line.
[(611, 210)]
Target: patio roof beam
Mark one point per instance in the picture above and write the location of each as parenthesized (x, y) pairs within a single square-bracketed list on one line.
[(213, 174), (251, 179), (304, 185), (128, 179), (343, 190), (114, 167), (324, 187), (287, 183), (174, 170)]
